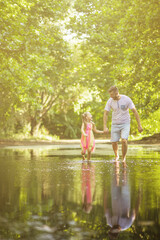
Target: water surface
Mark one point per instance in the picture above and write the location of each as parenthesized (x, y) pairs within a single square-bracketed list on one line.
[(48, 192)]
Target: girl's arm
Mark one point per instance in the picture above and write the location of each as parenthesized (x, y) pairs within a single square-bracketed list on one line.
[(96, 130), (82, 130)]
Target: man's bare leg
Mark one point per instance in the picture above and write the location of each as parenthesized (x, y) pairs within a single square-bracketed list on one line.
[(124, 149), (115, 149)]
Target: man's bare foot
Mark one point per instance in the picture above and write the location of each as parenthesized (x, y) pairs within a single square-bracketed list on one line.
[(124, 160)]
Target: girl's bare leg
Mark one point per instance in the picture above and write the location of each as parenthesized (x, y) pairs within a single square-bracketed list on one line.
[(83, 155), (89, 155)]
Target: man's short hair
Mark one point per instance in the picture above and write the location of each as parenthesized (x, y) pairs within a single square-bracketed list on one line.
[(113, 89)]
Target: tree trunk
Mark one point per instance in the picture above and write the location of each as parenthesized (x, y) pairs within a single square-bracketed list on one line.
[(35, 127)]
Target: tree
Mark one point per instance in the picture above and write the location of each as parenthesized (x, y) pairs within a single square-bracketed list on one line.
[(34, 58), (120, 46)]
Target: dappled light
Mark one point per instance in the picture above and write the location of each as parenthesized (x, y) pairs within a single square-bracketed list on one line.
[(59, 58)]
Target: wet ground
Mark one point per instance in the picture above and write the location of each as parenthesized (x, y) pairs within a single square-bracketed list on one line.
[(48, 192)]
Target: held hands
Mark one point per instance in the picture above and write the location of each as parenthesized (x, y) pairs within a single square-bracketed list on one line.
[(106, 130)]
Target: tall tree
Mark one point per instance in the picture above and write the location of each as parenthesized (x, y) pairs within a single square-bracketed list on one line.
[(34, 58), (120, 46)]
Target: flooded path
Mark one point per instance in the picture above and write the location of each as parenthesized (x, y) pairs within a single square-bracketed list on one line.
[(48, 192)]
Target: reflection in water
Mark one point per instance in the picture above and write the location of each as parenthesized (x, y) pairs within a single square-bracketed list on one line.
[(120, 215), (88, 186), (43, 196)]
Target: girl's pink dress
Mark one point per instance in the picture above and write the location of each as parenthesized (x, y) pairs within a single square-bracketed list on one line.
[(88, 142)]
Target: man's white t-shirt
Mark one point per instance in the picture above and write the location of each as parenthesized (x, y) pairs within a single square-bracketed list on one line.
[(120, 109)]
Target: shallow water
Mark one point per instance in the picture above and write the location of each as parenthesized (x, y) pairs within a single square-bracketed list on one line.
[(48, 192)]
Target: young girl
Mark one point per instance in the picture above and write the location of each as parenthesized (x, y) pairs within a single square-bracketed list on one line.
[(87, 138)]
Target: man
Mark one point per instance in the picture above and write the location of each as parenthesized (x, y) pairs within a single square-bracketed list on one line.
[(120, 105)]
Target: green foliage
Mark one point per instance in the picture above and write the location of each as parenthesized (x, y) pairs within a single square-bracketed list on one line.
[(155, 120), (121, 47), (33, 58), (49, 77)]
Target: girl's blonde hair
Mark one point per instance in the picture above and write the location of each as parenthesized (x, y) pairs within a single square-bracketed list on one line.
[(84, 117)]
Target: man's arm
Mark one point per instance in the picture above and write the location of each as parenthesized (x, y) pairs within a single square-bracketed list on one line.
[(105, 119), (140, 129)]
